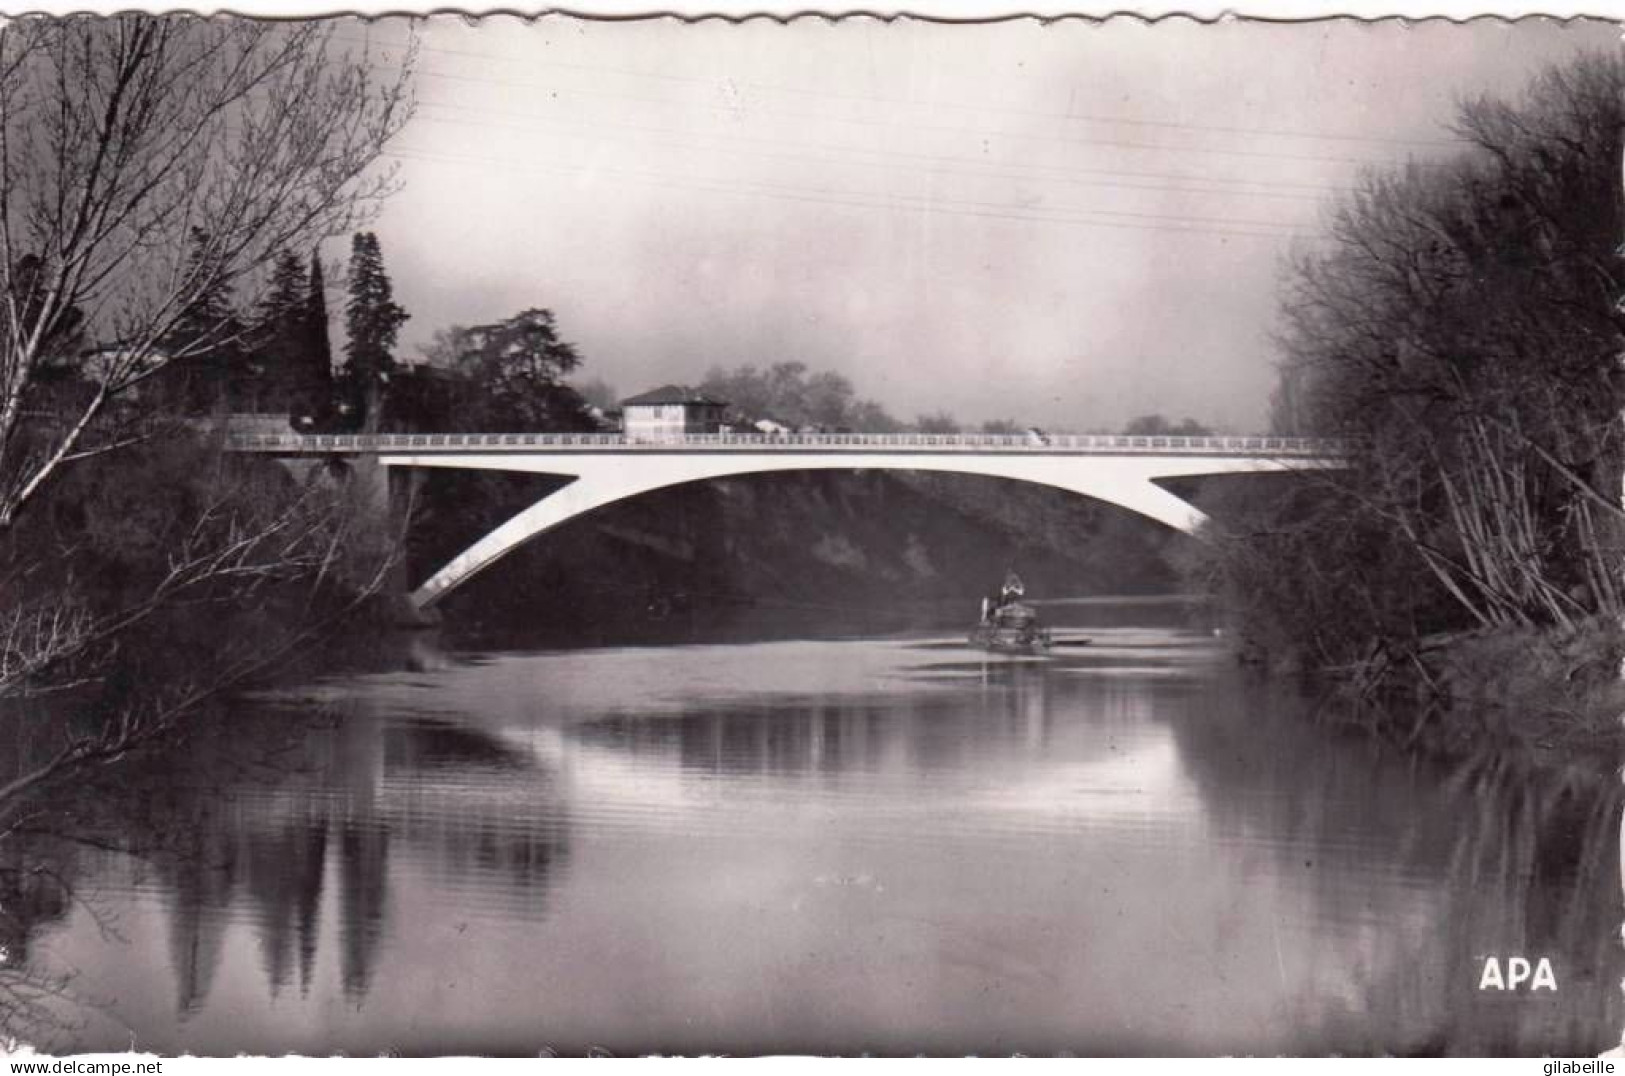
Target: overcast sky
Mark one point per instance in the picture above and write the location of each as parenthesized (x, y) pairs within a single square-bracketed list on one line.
[(1068, 225)]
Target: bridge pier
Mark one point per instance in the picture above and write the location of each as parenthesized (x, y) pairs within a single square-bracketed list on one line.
[(398, 489), (380, 500)]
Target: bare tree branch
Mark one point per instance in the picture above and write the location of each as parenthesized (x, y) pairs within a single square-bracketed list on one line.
[(122, 140)]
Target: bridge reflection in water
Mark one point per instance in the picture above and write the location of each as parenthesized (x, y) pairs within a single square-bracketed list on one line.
[(898, 848)]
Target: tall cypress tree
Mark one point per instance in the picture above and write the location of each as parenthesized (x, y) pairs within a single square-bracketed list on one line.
[(318, 349), (279, 333), (312, 402), (373, 319), (205, 341)]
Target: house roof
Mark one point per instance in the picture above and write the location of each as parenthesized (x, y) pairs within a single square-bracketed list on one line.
[(672, 394)]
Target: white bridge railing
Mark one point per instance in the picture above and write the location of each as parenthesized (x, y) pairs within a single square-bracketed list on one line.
[(1084, 443)]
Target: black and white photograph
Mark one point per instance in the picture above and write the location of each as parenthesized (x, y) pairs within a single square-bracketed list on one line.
[(563, 536)]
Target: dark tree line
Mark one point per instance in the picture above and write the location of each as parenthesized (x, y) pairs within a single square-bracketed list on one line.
[(275, 358), (278, 357), (1461, 326)]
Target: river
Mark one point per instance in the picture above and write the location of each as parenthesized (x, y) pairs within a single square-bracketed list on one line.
[(886, 844)]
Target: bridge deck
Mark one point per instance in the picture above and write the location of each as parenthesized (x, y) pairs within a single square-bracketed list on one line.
[(980, 444)]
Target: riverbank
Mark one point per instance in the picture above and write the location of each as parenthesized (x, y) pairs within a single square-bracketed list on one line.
[(1543, 700), (161, 582)]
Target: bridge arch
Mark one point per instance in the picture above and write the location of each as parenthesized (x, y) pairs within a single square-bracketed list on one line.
[(603, 478)]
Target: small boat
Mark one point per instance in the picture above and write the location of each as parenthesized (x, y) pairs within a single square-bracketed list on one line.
[(1010, 625)]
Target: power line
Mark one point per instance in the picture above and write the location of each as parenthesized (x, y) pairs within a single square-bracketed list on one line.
[(915, 161), (988, 205), (1048, 139), (958, 207), (868, 200), (966, 106), (825, 117)]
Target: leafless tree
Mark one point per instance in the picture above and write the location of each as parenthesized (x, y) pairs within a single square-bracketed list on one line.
[(147, 162), (1462, 326)]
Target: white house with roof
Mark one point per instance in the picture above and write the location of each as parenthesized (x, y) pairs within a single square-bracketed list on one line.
[(670, 413)]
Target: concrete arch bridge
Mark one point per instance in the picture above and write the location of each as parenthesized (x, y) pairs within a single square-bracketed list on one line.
[(606, 468)]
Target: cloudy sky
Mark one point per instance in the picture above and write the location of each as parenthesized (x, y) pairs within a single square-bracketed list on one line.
[(1069, 224)]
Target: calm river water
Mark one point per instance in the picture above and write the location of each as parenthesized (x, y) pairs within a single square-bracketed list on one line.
[(890, 845)]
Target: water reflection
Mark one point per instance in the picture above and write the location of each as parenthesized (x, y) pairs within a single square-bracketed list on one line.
[(814, 847), (1480, 862), (286, 867), (281, 826)]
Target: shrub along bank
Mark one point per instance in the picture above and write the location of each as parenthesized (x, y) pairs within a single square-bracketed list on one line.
[(1459, 327)]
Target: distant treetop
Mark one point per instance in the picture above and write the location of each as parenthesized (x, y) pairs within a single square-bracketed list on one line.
[(1161, 426)]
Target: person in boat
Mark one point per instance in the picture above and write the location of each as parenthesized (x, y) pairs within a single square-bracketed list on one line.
[(1008, 622), (1008, 594), (1012, 591)]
